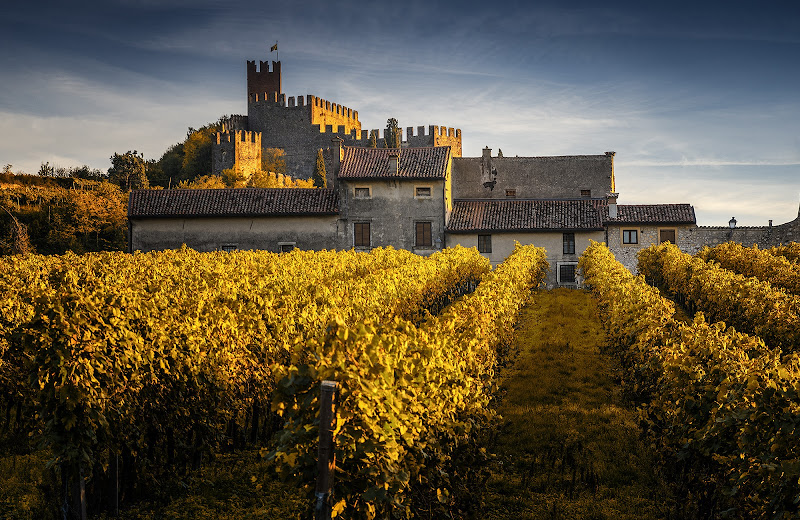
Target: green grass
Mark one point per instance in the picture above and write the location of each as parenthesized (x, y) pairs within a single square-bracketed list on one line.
[(569, 447)]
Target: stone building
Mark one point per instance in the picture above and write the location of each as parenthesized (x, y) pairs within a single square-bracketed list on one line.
[(420, 199), (631, 228), (230, 219), (395, 197), (422, 196)]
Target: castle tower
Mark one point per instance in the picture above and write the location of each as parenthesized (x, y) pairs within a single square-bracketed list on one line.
[(239, 150), (263, 81)]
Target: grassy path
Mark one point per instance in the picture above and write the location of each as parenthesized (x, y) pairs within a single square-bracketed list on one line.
[(569, 448)]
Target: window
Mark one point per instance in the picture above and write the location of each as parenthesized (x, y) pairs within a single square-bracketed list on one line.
[(361, 234), (362, 192), (229, 248), (484, 243), (287, 247), (569, 243), (630, 236), (586, 194), (566, 273), (665, 235), (422, 191), (511, 193), (423, 235)]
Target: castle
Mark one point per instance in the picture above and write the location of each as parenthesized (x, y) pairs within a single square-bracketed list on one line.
[(301, 126), (423, 196)]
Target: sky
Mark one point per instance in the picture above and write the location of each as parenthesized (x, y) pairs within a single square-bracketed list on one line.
[(700, 101)]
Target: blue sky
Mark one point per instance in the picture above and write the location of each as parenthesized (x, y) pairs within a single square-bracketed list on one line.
[(700, 102)]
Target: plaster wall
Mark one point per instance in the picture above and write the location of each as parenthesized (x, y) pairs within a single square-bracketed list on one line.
[(503, 246), (211, 234)]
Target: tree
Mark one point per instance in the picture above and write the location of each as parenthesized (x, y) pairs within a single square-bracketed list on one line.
[(234, 178), (392, 136), (320, 176), (128, 171), (45, 170), (197, 151), (373, 139), (273, 160), (206, 182)]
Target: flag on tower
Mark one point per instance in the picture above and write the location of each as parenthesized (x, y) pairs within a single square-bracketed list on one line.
[(274, 47)]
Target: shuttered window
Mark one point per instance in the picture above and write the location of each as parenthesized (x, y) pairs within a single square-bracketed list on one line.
[(361, 234), (484, 243), (569, 243), (665, 235), (423, 238)]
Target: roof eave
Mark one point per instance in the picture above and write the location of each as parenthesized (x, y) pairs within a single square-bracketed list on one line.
[(240, 215)]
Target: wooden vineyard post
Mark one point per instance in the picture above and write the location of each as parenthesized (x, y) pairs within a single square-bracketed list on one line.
[(326, 460)]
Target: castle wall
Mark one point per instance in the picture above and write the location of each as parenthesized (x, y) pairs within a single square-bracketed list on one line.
[(435, 136), (287, 123), (559, 177)]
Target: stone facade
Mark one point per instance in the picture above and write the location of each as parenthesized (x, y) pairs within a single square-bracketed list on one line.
[(393, 209), (762, 236), (646, 236)]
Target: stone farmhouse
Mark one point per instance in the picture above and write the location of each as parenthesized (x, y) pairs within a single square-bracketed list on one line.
[(422, 197)]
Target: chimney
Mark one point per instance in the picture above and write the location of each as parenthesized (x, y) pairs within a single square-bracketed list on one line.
[(488, 173), (612, 204), (337, 149), (393, 158)]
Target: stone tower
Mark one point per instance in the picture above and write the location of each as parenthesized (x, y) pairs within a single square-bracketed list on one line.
[(262, 81)]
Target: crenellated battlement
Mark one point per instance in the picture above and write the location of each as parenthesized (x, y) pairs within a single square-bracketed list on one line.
[(321, 107), (243, 136), (433, 130), (234, 122)]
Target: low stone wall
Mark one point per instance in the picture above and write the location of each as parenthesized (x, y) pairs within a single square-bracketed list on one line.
[(762, 236)]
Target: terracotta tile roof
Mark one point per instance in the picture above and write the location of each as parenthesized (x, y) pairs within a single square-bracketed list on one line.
[(232, 202), (412, 163), (651, 214), (469, 216)]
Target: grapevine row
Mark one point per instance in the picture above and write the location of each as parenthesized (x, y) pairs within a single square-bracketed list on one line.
[(723, 408), (751, 261), (748, 304), (413, 403), (95, 343), (789, 251)]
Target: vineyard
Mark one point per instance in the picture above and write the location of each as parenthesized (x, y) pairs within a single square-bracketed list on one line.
[(723, 406), (125, 373)]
